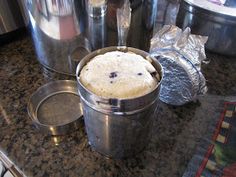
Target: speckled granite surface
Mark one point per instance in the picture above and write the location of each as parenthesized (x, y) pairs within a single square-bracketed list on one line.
[(176, 133)]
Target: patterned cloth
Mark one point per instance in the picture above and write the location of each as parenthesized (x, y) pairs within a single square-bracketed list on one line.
[(216, 154)]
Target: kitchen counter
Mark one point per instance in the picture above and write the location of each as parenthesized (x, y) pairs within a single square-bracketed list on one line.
[(177, 130)]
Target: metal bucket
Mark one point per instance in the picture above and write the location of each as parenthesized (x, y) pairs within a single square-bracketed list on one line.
[(56, 28), (118, 128), (208, 19)]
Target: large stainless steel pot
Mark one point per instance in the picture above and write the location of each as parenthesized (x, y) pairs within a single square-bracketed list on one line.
[(216, 22), (118, 127), (12, 15), (56, 27)]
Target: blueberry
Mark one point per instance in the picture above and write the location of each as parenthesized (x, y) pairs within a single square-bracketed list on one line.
[(113, 74), (111, 82), (140, 74)]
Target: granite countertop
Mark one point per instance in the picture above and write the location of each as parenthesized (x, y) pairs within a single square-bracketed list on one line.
[(175, 136)]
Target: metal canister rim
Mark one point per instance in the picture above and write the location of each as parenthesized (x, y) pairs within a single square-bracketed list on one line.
[(114, 105)]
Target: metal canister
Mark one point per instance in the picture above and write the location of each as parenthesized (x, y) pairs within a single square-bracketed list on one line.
[(208, 19), (118, 128), (57, 30), (149, 13)]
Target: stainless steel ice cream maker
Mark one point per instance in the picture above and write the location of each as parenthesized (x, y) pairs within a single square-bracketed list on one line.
[(118, 127)]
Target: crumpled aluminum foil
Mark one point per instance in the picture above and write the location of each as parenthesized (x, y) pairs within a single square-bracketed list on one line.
[(180, 54)]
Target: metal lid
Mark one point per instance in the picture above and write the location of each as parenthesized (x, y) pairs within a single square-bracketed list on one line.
[(55, 107), (209, 6)]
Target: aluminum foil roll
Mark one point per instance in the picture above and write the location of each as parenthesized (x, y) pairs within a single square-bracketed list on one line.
[(181, 55)]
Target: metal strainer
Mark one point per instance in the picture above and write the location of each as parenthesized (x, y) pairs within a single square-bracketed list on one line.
[(55, 108)]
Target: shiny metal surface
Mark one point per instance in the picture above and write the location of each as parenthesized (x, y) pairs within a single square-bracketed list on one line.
[(55, 108), (216, 22), (149, 13), (118, 127), (2, 169), (56, 28), (181, 54), (96, 8), (230, 3), (12, 15), (226, 9), (10, 167), (123, 16), (97, 32)]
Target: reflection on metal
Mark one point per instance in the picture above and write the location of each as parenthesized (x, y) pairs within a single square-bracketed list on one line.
[(149, 13), (107, 127), (123, 16), (56, 140), (55, 18), (96, 8), (118, 127), (97, 32), (166, 13), (10, 166), (12, 16), (208, 19), (81, 108), (51, 128), (56, 27)]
